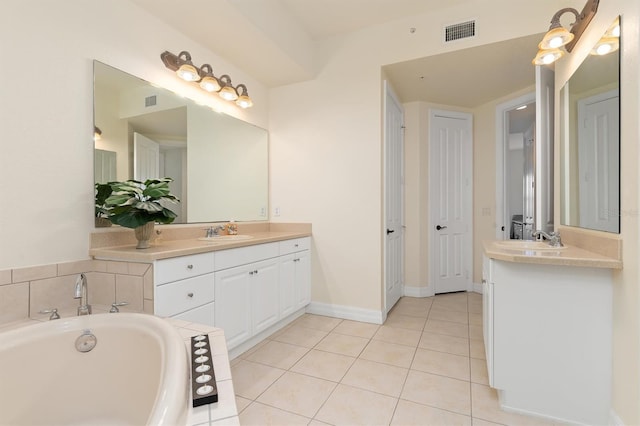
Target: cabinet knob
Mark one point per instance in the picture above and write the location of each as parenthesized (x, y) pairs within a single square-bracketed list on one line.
[(190, 294), (295, 245), (189, 266), (255, 272), (250, 272)]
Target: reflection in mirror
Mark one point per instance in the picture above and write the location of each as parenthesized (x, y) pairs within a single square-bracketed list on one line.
[(219, 164), (590, 144)]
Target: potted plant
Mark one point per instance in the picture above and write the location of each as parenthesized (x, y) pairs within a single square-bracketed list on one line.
[(103, 191), (137, 205)]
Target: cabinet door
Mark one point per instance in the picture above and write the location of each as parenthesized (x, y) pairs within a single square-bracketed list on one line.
[(233, 303), (288, 293), (264, 293), (302, 261)]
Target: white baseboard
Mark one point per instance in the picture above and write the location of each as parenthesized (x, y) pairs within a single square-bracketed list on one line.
[(412, 291), (346, 312), (614, 419), (477, 288)]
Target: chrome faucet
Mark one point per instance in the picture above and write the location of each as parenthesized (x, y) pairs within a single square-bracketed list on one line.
[(214, 232), (82, 293), (553, 238)]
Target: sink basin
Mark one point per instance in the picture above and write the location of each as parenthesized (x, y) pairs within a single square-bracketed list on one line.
[(225, 238), (526, 245)]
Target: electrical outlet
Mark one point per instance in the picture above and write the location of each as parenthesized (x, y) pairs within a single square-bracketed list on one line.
[(263, 211), (276, 211)]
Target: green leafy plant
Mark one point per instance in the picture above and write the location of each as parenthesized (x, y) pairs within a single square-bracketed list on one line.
[(134, 203), (103, 191)]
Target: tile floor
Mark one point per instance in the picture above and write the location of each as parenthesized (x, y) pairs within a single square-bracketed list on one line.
[(424, 366)]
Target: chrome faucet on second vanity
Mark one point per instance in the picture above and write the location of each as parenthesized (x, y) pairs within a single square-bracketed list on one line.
[(82, 293), (553, 238)]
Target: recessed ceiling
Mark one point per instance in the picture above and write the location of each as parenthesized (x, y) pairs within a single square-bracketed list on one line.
[(469, 77)]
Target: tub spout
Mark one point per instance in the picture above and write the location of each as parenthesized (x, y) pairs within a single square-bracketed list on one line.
[(81, 293)]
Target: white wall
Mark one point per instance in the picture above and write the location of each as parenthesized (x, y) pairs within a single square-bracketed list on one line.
[(46, 113), (326, 141)]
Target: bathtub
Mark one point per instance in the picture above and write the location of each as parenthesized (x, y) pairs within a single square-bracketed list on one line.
[(137, 373)]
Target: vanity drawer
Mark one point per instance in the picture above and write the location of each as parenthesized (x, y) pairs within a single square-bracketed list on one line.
[(180, 296), (202, 314), (292, 246), (178, 268), (243, 255)]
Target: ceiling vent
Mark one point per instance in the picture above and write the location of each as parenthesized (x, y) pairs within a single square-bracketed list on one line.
[(150, 101), (459, 31)]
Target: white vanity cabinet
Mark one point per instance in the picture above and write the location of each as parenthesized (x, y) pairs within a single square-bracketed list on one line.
[(184, 288), (295, 275), (258, 286), (548, 331)]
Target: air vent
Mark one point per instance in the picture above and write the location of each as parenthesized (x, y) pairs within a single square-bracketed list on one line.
[(150, 101), (459, 31)]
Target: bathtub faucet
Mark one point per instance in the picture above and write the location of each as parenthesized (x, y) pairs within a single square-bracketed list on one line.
[(81, 293)]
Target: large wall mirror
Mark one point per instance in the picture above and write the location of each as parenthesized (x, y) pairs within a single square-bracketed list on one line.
[(219, 163), (590, 140)]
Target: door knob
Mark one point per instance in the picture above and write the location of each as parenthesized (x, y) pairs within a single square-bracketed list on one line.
[(440, 227), (390, 231)]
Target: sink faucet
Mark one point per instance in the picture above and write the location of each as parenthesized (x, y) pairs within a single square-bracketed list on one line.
[(214, 232), (82, 294), (553, 238)]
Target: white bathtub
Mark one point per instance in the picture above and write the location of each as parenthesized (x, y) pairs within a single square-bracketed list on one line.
[(138, 373)]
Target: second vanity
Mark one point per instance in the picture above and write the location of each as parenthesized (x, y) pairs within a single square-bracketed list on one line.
[(547, 323), (248, 286)]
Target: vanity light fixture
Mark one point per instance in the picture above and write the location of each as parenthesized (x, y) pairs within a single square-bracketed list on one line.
[(243, 101), (204, 77), (558, 36), (227, 92)]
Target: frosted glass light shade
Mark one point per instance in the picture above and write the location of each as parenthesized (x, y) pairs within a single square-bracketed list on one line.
[(244, 101), (188, 72), (555, 38), (210, 84), (228, 93), (546, 57)]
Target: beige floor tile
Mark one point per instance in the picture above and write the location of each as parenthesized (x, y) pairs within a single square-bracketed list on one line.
[(315, 422), (475, 307), (400, 336), (475, 319), (479, 372), (438, 391), (301, 336), (251, 379), (447, 327), (342, 344), (476, 349), (262, 415), (448, 315), (355, 328), (278, 354), (419, 302), (352, 406), (242, 403), (480, 422), (411, 414), (405, 321), (298, 393), (472, 296), (453, 302), (441, 363), (411, 310), (486, 407), (376, 377), (324, 365), (388, 353), (443, 343), (318, 322), (252, 349), (475, 332)]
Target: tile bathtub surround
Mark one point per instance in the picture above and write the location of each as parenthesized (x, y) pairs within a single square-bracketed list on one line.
[(424, 366), (24, 292)]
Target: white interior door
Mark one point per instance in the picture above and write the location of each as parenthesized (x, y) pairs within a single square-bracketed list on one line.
[(450, 199), (146, 158), (393, 194), (598, 153)]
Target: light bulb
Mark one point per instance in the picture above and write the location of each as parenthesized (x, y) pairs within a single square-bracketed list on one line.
[(188, 72)]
